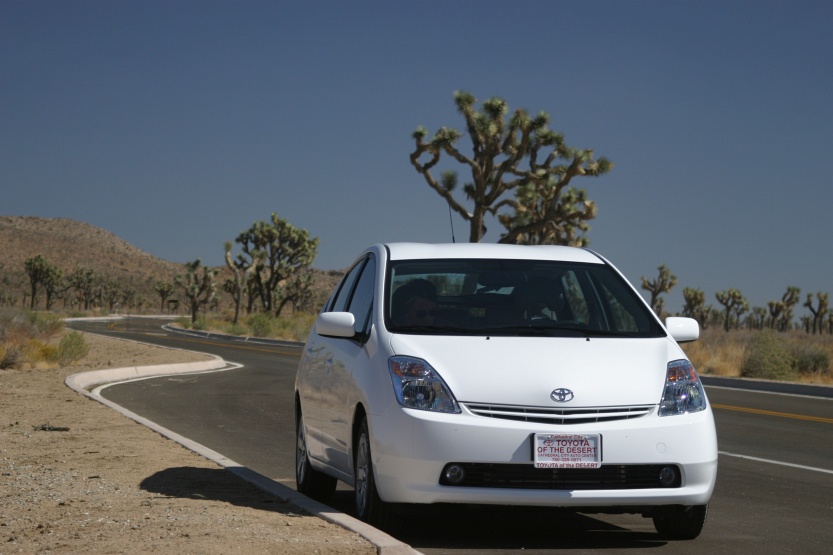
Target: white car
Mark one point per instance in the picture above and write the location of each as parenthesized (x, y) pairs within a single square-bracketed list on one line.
[(505, 375)]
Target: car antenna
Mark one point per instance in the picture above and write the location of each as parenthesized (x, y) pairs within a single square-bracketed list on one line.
[(451, 221)]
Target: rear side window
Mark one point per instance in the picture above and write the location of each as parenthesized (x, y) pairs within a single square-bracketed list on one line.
[(361, 303), (355, 293), (345, 289)]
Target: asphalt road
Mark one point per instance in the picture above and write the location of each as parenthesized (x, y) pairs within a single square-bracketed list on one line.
[(774, 492)]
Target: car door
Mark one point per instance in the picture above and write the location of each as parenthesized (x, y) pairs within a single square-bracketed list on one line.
[(317, 364), (346, 356)]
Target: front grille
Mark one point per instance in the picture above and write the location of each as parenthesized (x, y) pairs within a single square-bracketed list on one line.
[(546, 415), (526, 476)]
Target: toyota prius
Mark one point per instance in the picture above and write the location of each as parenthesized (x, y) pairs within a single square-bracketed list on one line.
[(502, 375)]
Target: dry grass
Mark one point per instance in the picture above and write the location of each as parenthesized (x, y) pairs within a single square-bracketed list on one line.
[(718, 353)]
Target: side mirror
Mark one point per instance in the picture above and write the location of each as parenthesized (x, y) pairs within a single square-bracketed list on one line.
[(336, 324), (682, 330)]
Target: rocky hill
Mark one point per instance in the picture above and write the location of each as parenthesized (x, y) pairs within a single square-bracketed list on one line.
[(70, 244)]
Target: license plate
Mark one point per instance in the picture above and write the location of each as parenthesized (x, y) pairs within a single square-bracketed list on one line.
[(567, 450)]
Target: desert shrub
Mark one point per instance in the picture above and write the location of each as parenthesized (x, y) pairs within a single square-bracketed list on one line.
[(46, 324), (23, 336), (809, 359), (72, 348), (183, 322), (295, 327), (36, 352), (9, 356), (261, 324), (235, 329), (767, 357)]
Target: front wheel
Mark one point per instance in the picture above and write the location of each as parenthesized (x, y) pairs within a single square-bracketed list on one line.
[(683, 523), (369, 506), (309, 481)]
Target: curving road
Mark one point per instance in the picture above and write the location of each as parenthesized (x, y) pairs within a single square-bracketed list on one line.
[(774, 493)]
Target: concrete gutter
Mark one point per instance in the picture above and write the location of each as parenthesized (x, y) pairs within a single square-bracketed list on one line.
[(99, 379)]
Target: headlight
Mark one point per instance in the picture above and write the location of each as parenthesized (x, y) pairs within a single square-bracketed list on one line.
[(683, 392), (418, 386)]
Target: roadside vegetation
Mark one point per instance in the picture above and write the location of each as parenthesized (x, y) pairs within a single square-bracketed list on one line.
[(291, 327), (766, 354), (37, 340)]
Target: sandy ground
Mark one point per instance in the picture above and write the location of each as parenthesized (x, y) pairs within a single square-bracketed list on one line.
[(77, 477)]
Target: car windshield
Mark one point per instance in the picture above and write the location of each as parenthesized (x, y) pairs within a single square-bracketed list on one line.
[(513, 297)]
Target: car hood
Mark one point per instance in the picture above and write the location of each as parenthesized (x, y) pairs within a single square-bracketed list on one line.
[(525, 370)]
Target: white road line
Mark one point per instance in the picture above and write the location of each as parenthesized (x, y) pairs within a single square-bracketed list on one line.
[(781, 463)]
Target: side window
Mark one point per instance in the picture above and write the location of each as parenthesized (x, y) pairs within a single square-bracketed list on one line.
[(342, 296), (362, 302)]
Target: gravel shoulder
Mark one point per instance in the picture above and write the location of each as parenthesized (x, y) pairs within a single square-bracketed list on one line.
[(76, 477)]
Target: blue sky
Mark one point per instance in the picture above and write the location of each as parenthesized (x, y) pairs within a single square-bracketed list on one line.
[(176, 124)]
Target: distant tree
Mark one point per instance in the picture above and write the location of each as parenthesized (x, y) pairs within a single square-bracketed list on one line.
[(517, 164), (695, 306), (738, 310), (818, 311), (86, 283), (164, 289), (663, 283), (198, 289), (112, 294), (53, 285), (296, 291), (40, 272), (731, 301), (130, 297), (236, 285), (274, 252), (781, 312), (757, 319)]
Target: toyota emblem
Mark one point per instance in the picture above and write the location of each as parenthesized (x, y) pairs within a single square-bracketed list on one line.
[(562, 395)]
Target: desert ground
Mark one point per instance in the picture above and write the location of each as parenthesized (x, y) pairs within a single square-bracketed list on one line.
[(77, 477)]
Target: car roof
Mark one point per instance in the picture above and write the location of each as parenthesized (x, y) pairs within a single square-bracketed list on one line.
[(412, 251)]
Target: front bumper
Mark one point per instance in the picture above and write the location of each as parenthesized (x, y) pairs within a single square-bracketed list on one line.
[(411, 448)]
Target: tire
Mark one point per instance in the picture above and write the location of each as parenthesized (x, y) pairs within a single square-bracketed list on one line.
[(309, 481), (369, 506), (684, 523)]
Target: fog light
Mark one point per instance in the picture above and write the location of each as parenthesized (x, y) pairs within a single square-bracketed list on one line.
[(668, 476), (454, 474)]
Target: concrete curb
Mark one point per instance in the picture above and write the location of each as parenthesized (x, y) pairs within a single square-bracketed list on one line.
[(83, 381)]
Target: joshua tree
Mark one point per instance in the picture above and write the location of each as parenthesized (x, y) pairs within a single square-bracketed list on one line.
[(663, 283), (733, 303), (274, 252), (518, 164), (695, 306), (41, 273), (86, 283), (819, 311), (781, 312), (197, 289), (165, 289), (235, 286)]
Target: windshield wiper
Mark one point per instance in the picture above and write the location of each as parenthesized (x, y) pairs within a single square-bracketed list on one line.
[(431, 329), (554, 330)]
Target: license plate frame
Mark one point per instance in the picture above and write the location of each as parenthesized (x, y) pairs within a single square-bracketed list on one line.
[(566, 450)]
